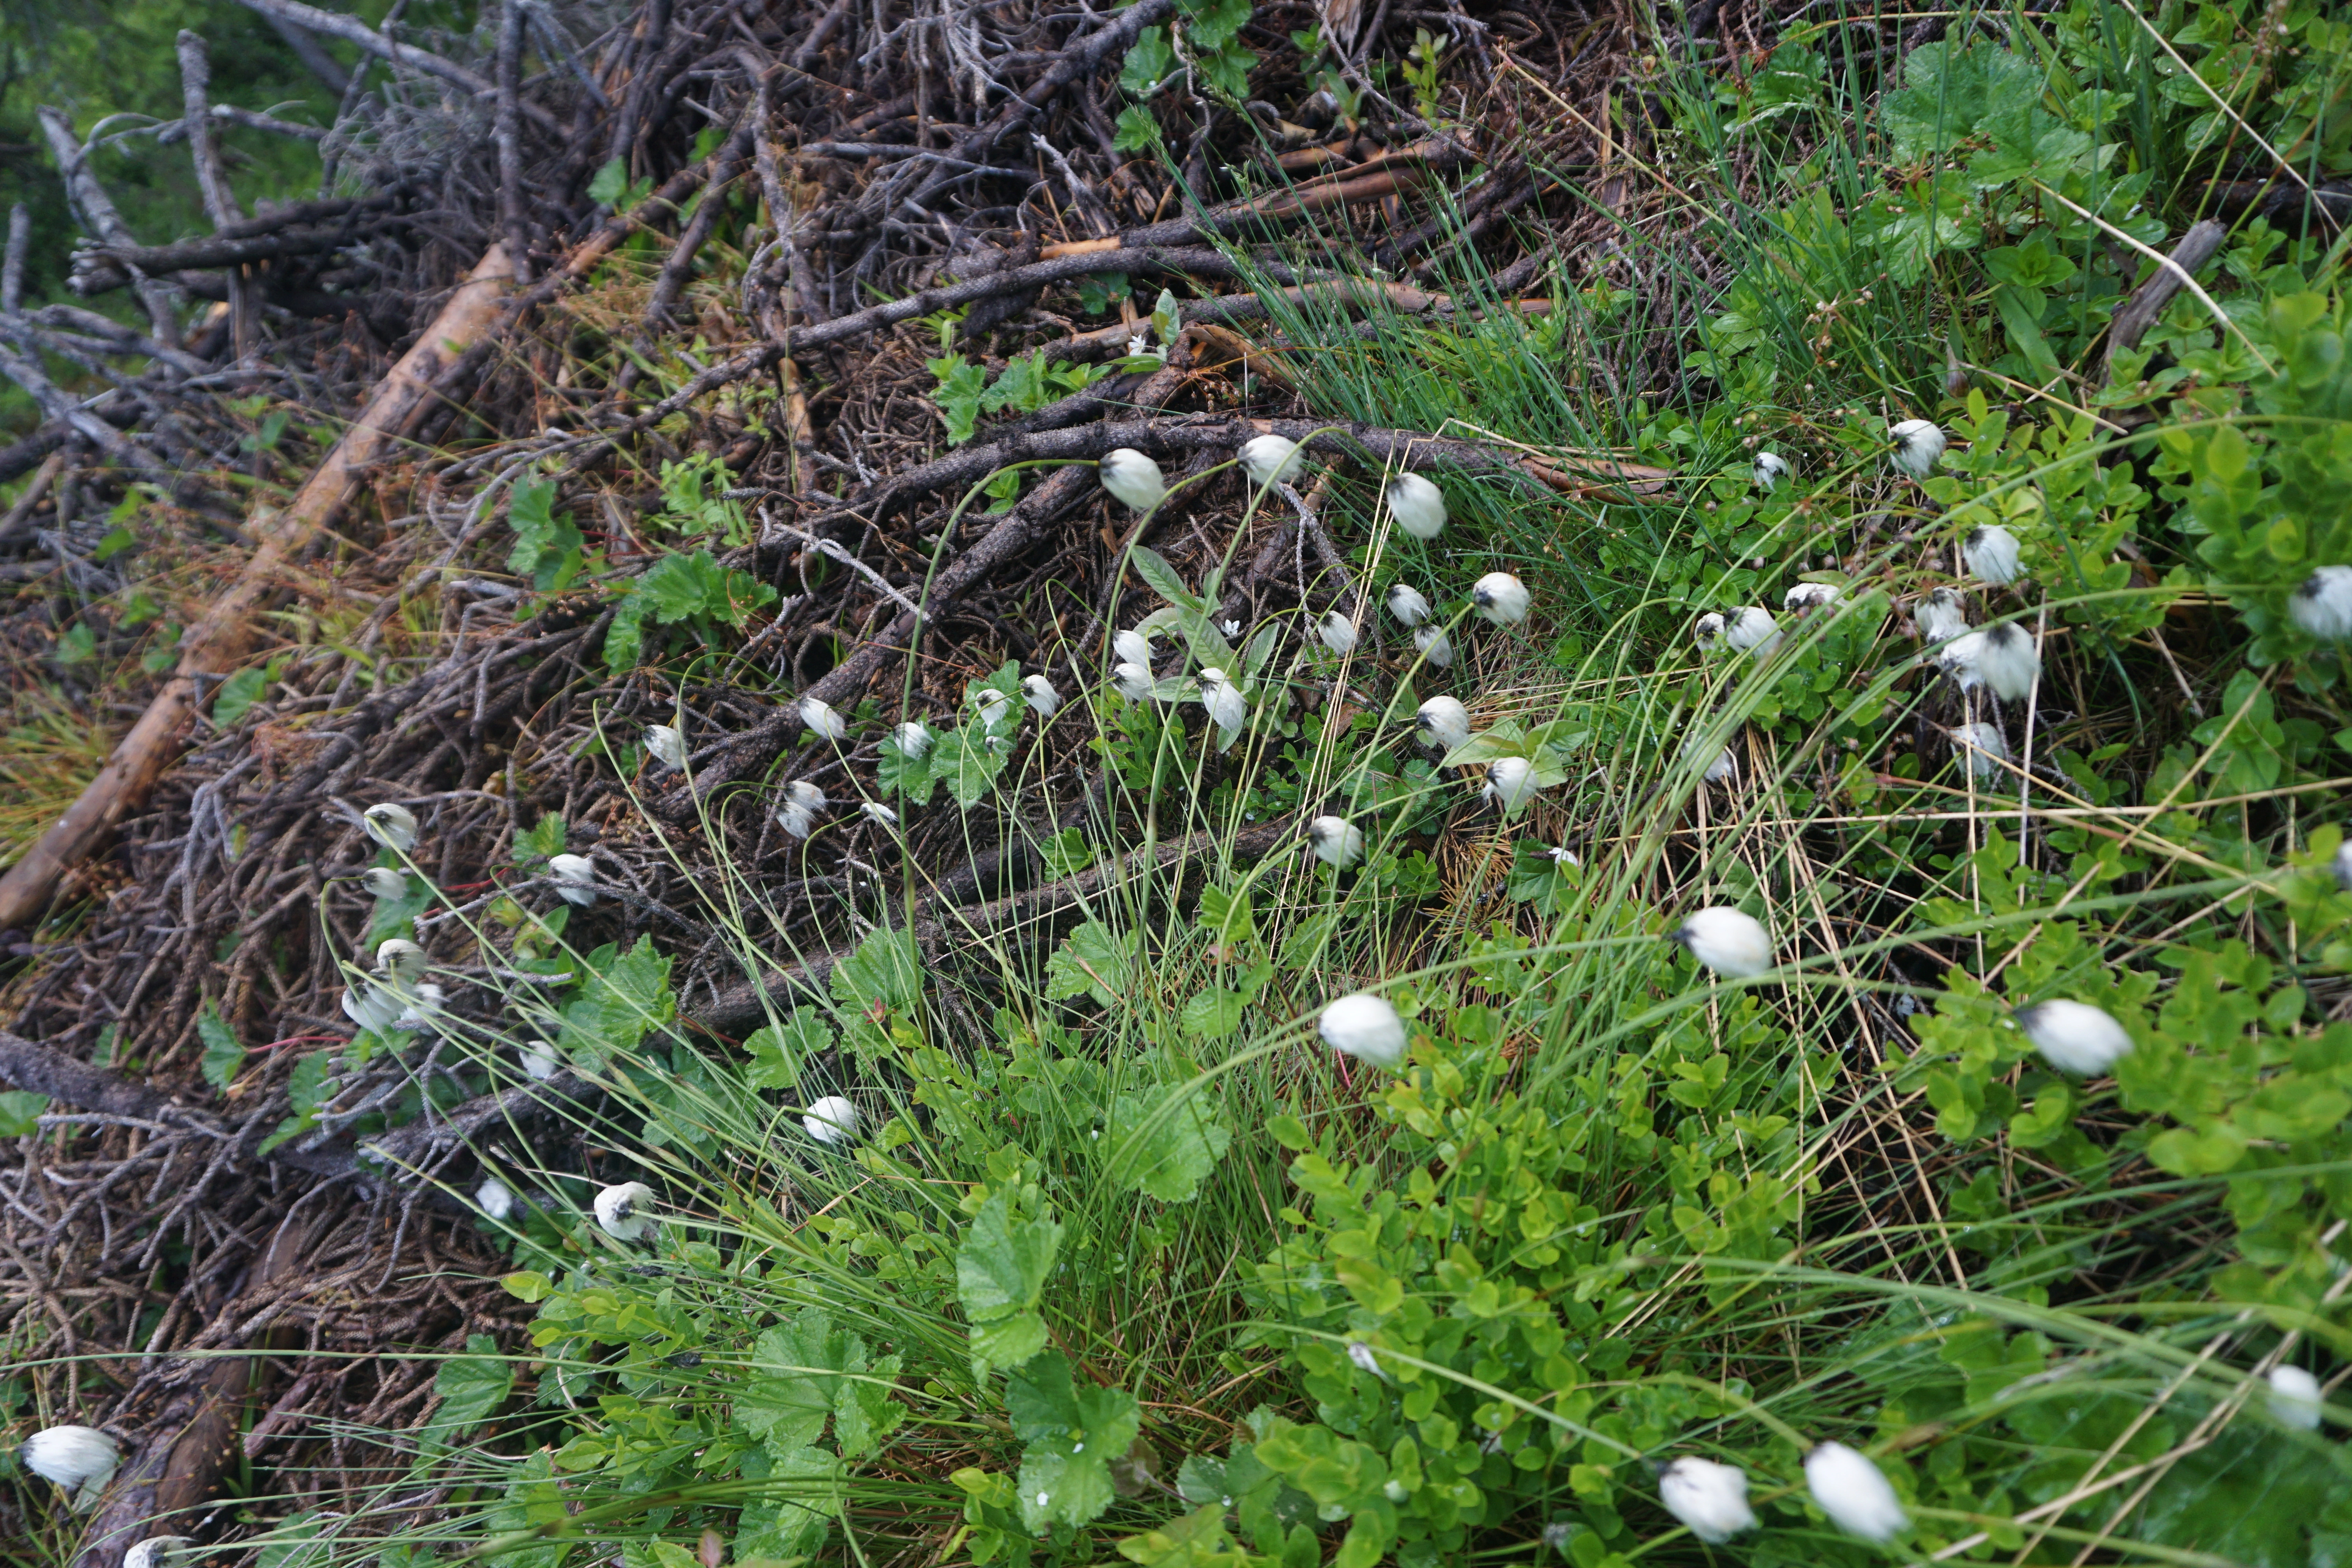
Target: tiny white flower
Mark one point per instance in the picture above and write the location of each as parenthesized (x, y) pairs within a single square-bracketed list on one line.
[(879, 814), (1917, 444), (81, 1460), (1940, 616), (1133, 681), (1726, 940), (2296, 1398), (1271, 461), (1418, 506), (575, 878), (1709, 630), (620, 1211), (2076, 1038), (1336, 842), (1752, 626), (1131, 647), (1132, 477), (1804, 596), (832, 1121), (1232, 629), (1443, 724), (820, 716), (2322, 604), (387, 884), (1041, 694), (1710, 1499), (667, 744), (1501, 598), (1432, 643), (914, 740), (1041, 1499), (1854, 1492), (1364, 1026), (1768, 469), (494, 1198), (1992, 554), (1983, 746), (1510, 784), (1407, 604), (539, 1061), (1339, 633), (393, 827), (1361, 1355)]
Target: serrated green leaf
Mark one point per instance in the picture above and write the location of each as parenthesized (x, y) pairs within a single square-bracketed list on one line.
[(1002, 1265), (238, 695), (472, 1387), (1092, 961), (898, 774), (805, 1372), (20, 1112), (1072, 1433), (624, 999), (1211, 1013), (779, 1051), (1165, 1142), (224, 1052)]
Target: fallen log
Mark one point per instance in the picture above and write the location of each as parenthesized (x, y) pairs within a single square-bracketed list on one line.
[(221, 640)]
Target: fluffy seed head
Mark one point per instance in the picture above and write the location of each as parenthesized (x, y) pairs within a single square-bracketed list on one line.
[(1433, 646), (2322, 604), (2296, 1398), (1270, 460), (1768, 471), (1709, 630), (1717, 765), (796, 820), (1443, 723), (1852, 1492), (1510, 782), (994, 706), (81, 1460), (1941, 615), (2343, 866), (879, 814), (372, 1007), (1917, 444), (393, 827), (494, 1198), (819, 715), (1501, 598), (1804, 596), (1337, 632), (1132, 477), (1751, 627), (2009, 661), (1418, 506), (1406, 604), (1983, 746), (1133, 681), (806, 795), (1992, 554), (1041, 694), (157, 1552), (1361, 1355), (667, 744), (620, 1211), (575, 878), (832, 1121), (384, 883), (1728, 941), (1228, 709), (1336, 841), (539, 1061), (1131, 647), (1710, 1499), (401, 959), (1366, 1027), (2074, 1037), (914, 740)]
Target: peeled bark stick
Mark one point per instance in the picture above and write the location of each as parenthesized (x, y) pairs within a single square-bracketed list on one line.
[(99, 215), (2147, 301), (351, 30), (212, 180), (219, 642)]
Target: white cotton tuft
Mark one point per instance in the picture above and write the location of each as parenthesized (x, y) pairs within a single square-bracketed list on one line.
[(995, 707), (1804, 596), (2322, 604), (1992, 554), (1131, 647), (81, 1460), (1917, 444), (793, 820), (1366, 1027), (2008, 660), (1728, 941), (1433, 646), (1228, 708), (401, 959), (1407, 604), (1133, 681), (1940, 616), (1501, 598), (384, 883), (372, 1007), (832, 1121), (914, 740), (1337, 632), (2074, 1037), (539, 1061), (1983, 746), (393, 827), (2296, 1398), (805, 796), (1361, 1355), (1132, 477), (1336, 842), (1270, 460), (1752, 628), (1768, 469), (1855, 1493), (495, 1199), (620, 1211), (1443, 724), (2343, 864), (1041, 694), (157, 1552), (1707, 630), (575, 878), (879, 814), (819, 715), (1418, 506), (1710, 1499), (667, 744), (1510, 784), (1717, 765)]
